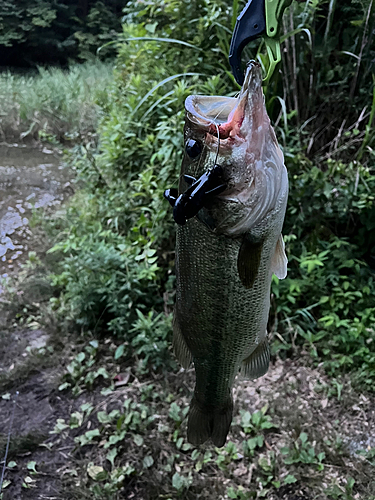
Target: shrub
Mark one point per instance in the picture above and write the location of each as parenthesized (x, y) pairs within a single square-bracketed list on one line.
[(118, 247)]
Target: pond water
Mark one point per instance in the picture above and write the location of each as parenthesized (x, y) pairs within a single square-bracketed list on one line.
[(29, 178)]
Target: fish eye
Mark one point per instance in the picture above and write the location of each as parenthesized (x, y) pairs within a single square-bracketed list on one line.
[(193, 148)]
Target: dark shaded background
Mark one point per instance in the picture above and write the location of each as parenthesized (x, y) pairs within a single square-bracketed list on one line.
[(56, 31)]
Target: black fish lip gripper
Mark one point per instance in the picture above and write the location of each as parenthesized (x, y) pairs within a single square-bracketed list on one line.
[(259, 18)]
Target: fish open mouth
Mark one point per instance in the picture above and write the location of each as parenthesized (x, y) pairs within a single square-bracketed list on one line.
[(226, 116)]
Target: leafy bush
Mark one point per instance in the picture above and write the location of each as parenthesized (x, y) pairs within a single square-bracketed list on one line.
[(118, 247), (329, 295), (56, 31)]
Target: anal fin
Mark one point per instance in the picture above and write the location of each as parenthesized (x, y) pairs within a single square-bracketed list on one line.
[(256, 365), (180, 347)]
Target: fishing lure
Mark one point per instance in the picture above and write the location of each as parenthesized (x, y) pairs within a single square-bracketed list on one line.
[(200, 191)]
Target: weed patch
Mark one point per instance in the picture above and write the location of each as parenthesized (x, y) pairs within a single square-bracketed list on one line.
[(286, 441), (53, 104), (117, 265)]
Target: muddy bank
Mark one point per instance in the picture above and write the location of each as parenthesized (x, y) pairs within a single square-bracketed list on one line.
[(30, 178), (31, 417)]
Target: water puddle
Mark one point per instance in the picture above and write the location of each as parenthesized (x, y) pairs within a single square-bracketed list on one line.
[(29, 178)]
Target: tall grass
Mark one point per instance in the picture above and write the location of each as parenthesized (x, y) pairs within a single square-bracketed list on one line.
[(65, 104), (327, 69)]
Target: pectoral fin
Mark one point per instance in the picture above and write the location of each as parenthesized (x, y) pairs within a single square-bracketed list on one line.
[(256, 365), (180, 347), (279, 260), (248, 261)]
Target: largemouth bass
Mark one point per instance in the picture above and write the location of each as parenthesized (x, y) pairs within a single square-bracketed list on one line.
[(226, 254)]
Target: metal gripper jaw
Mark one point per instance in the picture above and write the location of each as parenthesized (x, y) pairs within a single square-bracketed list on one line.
[(250, 24), (259, 18)]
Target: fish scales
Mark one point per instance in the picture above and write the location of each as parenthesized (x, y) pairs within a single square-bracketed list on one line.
[(215, 301), (225, 256)]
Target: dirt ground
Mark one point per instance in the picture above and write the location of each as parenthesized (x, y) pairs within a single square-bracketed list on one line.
[(289, 389), (36, 409), (30, 178)]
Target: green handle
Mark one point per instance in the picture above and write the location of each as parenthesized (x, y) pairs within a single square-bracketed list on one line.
[(274, 56), (274, 12)]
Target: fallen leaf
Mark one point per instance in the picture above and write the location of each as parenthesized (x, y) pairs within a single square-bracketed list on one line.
[(121, 379), (96, 472)]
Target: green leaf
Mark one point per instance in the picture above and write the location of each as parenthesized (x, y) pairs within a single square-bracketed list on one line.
[(6, 483), (160, 84), (111, 455), (92, 434), (289, 479), (28, 482), (148, 462), (80, 357), (102, 372), (76, 420), (303, 437), (231, 492), (159, 39), (119, 351), (103, 417), (31, 466), (86, 408), (138, 440), (246, 419), (60, 426), (179, 442), (175, 412), (96, 472), (178, 482)]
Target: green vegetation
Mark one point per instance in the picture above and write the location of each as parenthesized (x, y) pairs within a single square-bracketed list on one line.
[(56, 31), (54, 104), (117, 246), (114, 284), (117, 270)]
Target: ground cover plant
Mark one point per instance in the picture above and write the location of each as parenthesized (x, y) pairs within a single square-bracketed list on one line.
[(305, 429)]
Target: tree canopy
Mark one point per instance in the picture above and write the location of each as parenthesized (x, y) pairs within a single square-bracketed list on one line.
[(55, 31)]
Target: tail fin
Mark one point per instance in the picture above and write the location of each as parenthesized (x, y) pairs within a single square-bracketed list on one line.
[(204, 423)]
